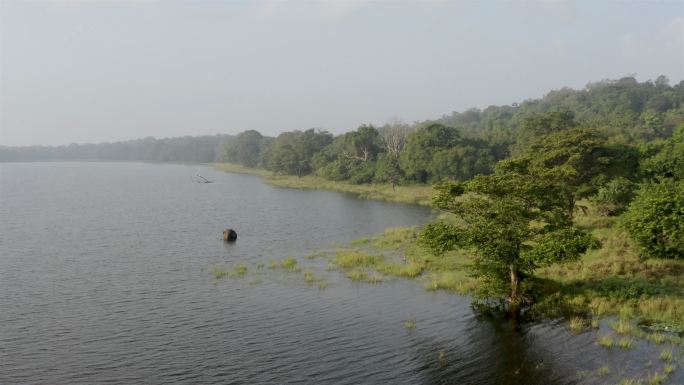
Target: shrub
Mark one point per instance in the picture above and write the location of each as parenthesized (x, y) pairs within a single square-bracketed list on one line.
[(612, 198), (655, 219)]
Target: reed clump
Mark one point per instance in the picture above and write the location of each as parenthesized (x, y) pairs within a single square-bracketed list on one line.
[(577, 324), (667, 355), (606, 340), (655, 378), (289, 263), (363, 276), (239, 270), (313, 280), (219, 272), (625, 343)]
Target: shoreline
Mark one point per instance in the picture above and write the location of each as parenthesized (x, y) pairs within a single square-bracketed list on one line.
[(406, 194)]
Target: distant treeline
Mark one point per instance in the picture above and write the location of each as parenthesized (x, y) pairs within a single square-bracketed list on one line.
[(199, 149), (624, 113)]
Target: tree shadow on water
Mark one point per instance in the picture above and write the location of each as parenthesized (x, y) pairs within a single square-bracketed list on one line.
[(493, 350)]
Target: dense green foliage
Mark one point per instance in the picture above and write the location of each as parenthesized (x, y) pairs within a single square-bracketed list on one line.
[(514, 221), (655, 218), (613, 197), (609, 119), (244, 149), (624, 108), (665, 158)]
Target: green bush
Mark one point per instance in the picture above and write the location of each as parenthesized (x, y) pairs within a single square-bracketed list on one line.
[(655, 219), (612, 198), (620, 288)]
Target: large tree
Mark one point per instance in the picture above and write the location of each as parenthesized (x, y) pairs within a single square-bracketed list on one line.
[(514, 223), (421, 146), (292, 151), (581, 160), (244, 149)]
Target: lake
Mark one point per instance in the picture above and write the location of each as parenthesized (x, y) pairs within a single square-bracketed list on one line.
[(105, 277)]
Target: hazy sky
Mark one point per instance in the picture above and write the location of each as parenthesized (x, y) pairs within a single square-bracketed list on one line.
[(93, 71)]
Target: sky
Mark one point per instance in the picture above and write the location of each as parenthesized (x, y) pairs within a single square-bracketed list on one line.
[(103, 71)]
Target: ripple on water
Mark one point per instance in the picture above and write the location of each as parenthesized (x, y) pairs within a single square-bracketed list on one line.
[(122, 292)]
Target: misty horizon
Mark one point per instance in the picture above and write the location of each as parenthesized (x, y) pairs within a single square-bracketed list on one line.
[(76, 72), (235, 132)]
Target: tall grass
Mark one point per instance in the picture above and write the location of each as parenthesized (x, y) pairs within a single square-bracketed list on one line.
[(615, 280)]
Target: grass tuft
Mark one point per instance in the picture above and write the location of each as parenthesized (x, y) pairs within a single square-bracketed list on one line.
[(667, 355), (363, 276), (622, 326), (577, 324), (289, 263), (655, 379), (658, 338), (606, 341), (219, 272), (625, 343), (239, 271)]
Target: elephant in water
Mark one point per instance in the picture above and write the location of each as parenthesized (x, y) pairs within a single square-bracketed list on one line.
[(229, 235)]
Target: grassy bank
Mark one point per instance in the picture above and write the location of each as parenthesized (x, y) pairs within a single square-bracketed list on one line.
[(612, 280), (411, 194), (615, 280)]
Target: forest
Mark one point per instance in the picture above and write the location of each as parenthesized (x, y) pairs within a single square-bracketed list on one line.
[(627, 116), (525, 188)]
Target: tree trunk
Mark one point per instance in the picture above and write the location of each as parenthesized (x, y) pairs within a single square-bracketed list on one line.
[(571, 207), (514, 299)]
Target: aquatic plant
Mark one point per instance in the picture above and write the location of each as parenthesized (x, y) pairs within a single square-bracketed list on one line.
[(363, 276), (655, 378), (289, 263), (603, 370), (629, 381), (658, 338), (625, 343), (441, 359), (669, 368), (347, 259), (667, 355), (410, 323), (606, 341), (311, 279), (577, 324), (309, 276), (622, 326), (219, 272), (239, 270)]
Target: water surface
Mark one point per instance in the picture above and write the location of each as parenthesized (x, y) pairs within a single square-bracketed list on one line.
[(105, 278)]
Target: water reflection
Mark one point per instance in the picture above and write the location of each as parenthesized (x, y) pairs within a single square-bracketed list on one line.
[(492, 351)]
